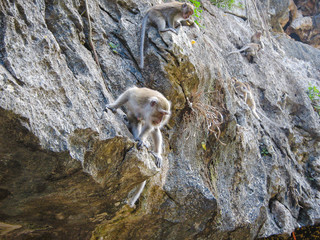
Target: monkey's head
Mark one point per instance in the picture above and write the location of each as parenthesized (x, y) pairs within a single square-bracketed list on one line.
[(160, 111), (258, 34), (186, 10)]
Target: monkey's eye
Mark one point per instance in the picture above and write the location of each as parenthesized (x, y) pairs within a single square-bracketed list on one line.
[(153, 103)]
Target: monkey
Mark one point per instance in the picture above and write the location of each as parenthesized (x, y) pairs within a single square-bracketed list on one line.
[(245, 90), (170, 14), (147, 110), (256, 38), (251, 49)]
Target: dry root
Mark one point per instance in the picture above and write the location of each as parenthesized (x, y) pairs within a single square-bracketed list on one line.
[(203, 115)]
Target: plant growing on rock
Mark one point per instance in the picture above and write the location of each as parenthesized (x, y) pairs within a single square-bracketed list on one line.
[(314, 95), (264, 150), (223, 3), (202, 114), (197, 10)]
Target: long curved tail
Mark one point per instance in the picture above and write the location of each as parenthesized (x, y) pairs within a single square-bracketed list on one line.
[(143, 33), (240, 50)]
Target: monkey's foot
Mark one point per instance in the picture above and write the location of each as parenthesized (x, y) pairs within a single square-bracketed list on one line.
[(112, 109), (158, 159), (175, 31), (170, 29)]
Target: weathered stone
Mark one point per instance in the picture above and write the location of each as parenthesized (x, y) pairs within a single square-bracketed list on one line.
[(279, 13), (67, 167), (299, 20)]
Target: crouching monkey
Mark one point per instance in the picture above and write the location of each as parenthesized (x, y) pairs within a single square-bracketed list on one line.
[(171, 14), (251, 49), (147, 111)]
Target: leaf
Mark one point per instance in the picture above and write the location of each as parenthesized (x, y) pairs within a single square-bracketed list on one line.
[(203, 144), (112, 45)]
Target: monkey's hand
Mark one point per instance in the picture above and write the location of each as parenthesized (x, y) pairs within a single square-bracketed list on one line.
[(176, 31), (140, 143), (112, 109)]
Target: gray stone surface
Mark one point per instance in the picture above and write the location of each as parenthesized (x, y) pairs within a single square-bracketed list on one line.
[(260, 178)]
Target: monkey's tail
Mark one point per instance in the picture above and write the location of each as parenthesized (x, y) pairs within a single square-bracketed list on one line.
[(143, 33), (132, 201), (240, 50)]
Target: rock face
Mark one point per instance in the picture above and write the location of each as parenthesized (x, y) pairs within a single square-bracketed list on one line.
[(67, 167), (299, 19)]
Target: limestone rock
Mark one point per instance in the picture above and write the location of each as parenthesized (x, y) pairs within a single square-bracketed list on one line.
[(299, 19), (67, 167)]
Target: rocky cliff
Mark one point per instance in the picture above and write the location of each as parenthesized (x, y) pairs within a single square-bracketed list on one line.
[(67, 167)]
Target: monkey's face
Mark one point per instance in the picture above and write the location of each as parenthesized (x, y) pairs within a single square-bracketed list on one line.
[(187, 11), (159, 117), (159, 111)]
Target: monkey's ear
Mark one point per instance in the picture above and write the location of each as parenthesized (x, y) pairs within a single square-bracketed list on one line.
[(153, 101)]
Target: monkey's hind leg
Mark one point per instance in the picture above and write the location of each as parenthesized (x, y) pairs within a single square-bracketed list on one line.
[(161, 25), (250, 57), (169, 29), (146, 129), (134, 126)]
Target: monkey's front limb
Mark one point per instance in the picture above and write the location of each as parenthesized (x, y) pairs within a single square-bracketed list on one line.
[(110, 108), (157, 141), (189, 23), (158, 159), (144, 133), (135, 130), (134, 125), (122, 99), (140, 143), (161, 25)]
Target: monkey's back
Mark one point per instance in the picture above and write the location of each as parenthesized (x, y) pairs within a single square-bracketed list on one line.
[(168, 6), (142, 95), (165, 9)]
